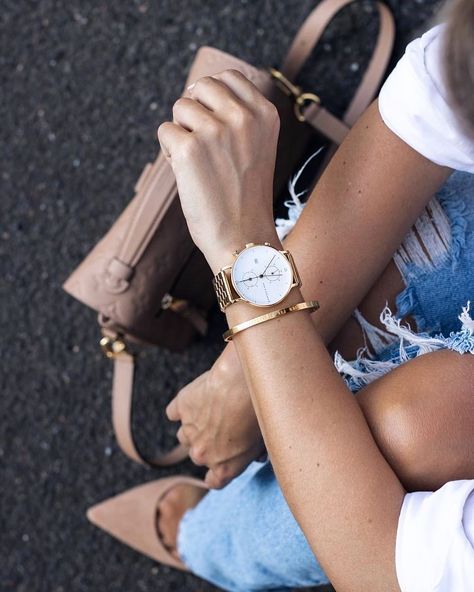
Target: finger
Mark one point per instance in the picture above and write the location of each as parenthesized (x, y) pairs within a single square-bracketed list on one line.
[(213, 481), (198, 454), (172, 410), (216, 480), (191, 114), (215, 95), (240, 85), (172, 137), (182, 437), (222, 474)]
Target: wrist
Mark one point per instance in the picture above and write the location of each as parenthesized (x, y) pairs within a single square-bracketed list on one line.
[(222, 252)]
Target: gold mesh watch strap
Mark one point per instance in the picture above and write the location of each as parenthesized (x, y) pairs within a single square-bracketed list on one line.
[(223, 290)]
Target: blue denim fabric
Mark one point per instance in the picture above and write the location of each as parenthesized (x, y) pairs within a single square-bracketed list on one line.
[(244, 538), (435, 298)]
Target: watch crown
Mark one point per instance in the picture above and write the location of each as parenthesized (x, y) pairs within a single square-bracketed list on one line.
[(267, 244)]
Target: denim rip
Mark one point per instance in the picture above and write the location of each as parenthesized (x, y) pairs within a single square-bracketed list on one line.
[(434, 243)]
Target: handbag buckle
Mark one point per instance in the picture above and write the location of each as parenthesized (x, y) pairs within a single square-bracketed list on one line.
[(300, 98), (112, 346), (187, 310)]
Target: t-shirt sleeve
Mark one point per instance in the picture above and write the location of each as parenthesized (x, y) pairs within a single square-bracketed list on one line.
[(413, 103), (435, 540)]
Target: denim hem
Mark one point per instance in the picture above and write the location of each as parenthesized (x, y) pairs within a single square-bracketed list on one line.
[(180, 537), (365, 369)]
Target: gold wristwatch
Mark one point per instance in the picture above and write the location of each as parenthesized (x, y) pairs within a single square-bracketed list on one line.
[(260, 275)]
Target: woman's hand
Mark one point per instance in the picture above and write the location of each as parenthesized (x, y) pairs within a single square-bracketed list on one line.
[(218, 422), (222, 145)]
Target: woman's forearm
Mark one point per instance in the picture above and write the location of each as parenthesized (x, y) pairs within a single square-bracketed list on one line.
[(341, 489), (359, 212), (337, 483)]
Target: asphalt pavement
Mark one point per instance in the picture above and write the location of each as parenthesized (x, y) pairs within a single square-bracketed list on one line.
[(84, 86)]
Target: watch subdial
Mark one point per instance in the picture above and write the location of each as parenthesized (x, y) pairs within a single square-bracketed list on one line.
[(249, 279), (273, 273)]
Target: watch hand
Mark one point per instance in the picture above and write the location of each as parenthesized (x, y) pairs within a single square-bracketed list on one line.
[(267, 266), (262, 274), (247, 279)]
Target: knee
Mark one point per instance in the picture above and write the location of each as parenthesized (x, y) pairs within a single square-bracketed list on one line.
[(421, 416)]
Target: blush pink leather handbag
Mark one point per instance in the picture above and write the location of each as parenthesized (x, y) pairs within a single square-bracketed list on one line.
[(147, 280)]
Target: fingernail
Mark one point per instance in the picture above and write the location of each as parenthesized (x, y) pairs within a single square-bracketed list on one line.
[(191, 86)]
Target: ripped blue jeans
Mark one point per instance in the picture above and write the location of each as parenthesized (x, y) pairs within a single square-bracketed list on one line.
[(244, 537)]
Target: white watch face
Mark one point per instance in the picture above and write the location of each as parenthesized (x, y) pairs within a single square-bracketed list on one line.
[(262, 275)]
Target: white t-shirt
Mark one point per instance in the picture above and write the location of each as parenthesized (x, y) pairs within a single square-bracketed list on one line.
[(435, 540), (413, 103), (435, 536)]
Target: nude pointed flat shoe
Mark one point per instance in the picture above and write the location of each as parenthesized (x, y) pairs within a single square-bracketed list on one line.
[(130, 517)]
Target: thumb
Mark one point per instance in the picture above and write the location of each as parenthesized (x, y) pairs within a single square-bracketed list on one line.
[(172, 410), (213, 481)]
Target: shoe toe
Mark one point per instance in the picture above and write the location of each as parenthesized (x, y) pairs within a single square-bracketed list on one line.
[(130, 517)]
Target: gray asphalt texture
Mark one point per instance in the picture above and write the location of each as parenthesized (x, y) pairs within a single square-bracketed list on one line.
[(84, 86)]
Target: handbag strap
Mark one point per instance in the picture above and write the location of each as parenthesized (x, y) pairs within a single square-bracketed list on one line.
[(309, 35), (304, 42), (122, 412)]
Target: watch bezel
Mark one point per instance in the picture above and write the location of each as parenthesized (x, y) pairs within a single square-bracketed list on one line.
[(285, 254)]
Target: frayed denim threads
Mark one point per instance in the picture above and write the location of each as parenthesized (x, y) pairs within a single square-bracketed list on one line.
[(406, 346)]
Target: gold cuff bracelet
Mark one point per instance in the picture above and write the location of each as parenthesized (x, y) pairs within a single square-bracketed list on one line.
[(311, 305)]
